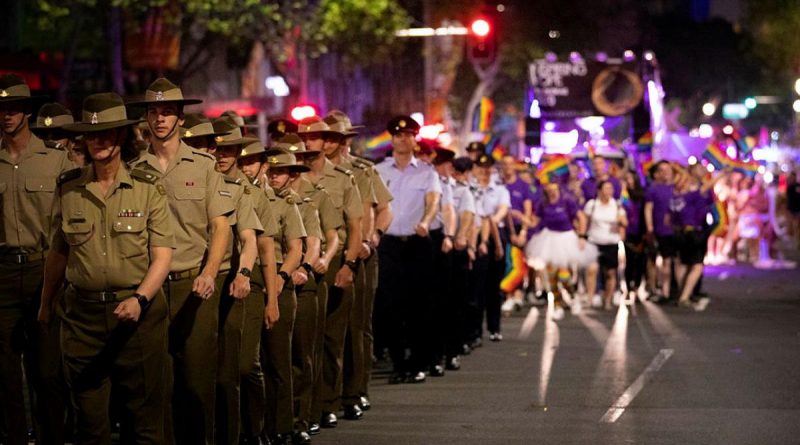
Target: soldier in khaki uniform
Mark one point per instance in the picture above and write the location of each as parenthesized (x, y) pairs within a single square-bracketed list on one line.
[(330, 223), (28, 173), (380, 218), (224, 143), (199, 207), (353, 370), (112, 240), (258, 312), (50, 120), (340, 184), (277, 341)]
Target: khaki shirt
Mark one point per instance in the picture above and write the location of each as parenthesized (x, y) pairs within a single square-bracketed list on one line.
[(342, 189), (329, 217), (109, 237), (363, 177), (27, 191), (243, 218), (262, 207), (195, 196), (289, 221), (308, 211), (382, 193)]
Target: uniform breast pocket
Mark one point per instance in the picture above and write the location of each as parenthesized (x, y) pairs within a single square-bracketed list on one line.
[(130, 237), (76, 234), (190, 204), (40, 184)]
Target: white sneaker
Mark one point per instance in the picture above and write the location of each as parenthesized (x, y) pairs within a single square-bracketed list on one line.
[(508, 306), (702, 304), (597, 301), (576, 306), (558, 313), (616, 298)]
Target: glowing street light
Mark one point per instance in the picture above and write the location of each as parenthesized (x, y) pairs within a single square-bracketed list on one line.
[(796, 106), (750, 103), (480, 27), (709, 109), (797, 86)]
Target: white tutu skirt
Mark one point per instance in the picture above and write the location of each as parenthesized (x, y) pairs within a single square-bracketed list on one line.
[(558, 249)]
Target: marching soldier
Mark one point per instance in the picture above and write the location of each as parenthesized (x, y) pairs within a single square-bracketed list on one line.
[(199, 207), (277, 341), (238, 265), (258, 312), (463, 255), (405, 260), (341, 272), (28, 173), (198, 132), (330, 221), (381, 218), (112, 240), (353, 378)]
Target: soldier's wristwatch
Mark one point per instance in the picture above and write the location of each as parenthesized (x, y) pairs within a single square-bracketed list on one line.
[(246, 272), (352, 264), (285, 275), (144, 303)]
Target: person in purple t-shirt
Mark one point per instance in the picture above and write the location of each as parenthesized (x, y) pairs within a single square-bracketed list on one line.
[(600, 173), (689, 207), (658, 222), (557, 247)]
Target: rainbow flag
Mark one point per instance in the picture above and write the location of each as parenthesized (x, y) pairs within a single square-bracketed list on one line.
[(498, 151), (383, 140), (715, 156), (744, 146), (645, 143), (720, 216), (645, 161), (516, 269), (483, 116), (590, 150), (747, 168), (564, 275), (556, 166), (625, 197)]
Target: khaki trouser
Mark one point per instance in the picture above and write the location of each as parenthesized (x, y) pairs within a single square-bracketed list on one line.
[(21, 335), (100, 352), (340, 304), (353, 379), (276, 360), (319, 351), (253, 399), (371, 279), (231, 320), (304, 337), (193, 345)]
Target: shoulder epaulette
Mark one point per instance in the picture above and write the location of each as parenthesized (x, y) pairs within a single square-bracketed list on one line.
[(230, 180), (69, 175), (364, 161), (341, 169), (204, 154), (289, 198), (319, 186), (143, 176), (307, 199)]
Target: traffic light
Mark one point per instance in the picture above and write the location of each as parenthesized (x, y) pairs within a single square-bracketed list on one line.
[(301, 112), (482, 40)]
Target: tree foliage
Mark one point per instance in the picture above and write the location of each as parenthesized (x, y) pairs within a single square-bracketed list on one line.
[(774, 26)]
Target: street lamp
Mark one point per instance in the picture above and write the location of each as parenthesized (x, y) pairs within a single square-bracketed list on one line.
[(796, 106), (709, 109), (797, 86)]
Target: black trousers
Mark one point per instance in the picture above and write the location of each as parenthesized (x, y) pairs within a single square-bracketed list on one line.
[(455, 323), (402, 300), (635, 261), (441, 299), (494, 275)]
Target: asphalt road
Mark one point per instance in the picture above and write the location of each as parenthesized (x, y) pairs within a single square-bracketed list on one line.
[(653, 375)]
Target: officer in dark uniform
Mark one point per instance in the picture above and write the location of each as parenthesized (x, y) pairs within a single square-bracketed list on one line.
[(112, 240), (28, 172), (405, 254)]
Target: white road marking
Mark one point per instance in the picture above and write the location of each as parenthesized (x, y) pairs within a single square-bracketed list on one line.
[(618, 408), (526, 329)]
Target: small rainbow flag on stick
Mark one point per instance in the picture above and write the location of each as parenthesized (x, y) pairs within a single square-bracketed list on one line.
[(483, 116), (625, 197), (645, 143), (516, 269), (715, 156), (383, 140), (719, 215), (556, 166), (747, 168)]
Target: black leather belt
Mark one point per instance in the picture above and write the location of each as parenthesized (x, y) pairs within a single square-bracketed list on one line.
[(183, 275), (105, 296), (22, 258)]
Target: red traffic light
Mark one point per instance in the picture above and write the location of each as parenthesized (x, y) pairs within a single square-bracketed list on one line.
[(480, 27), (301, 112)]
